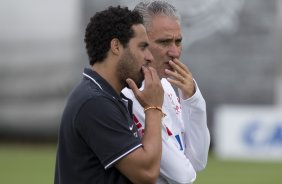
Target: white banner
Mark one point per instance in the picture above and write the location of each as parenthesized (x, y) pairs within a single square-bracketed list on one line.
[(248, 132)]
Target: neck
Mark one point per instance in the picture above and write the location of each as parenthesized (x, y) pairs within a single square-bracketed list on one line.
[(109, 74)]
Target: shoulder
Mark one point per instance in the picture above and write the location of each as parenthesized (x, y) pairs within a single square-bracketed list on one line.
[(100, 104)]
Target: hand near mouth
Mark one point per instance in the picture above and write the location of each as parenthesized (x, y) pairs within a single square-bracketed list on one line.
[(181, 77), (152, 94)]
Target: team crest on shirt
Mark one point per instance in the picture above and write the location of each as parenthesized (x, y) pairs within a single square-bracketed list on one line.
[(176, 138), (175, 106)]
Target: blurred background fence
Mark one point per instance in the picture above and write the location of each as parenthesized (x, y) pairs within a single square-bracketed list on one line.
[(233, 48)]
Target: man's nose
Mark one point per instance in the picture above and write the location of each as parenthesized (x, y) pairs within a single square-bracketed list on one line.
[(174, 51), (148, 56)]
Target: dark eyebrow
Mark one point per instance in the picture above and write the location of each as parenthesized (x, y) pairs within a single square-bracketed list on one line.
[(179, 39), (160, 40)]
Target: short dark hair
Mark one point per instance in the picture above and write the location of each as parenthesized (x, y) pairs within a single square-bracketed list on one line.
[(114, 22)]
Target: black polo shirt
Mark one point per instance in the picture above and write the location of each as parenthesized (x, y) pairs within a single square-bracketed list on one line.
[(95, 132)]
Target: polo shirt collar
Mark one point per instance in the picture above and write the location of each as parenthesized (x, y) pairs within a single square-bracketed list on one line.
[(100, 82)]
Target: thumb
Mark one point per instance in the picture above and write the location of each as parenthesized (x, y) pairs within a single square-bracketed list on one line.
[(132, 86)]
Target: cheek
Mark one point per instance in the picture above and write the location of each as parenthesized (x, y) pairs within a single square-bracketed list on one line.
[(156, 52), (154, 48), (161, 50)]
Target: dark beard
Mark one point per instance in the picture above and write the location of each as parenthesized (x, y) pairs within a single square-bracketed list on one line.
[(126, 67), (139, 81)]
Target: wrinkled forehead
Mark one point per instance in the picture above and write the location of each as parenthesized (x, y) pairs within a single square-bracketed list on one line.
[(163, 24), (160, 19)]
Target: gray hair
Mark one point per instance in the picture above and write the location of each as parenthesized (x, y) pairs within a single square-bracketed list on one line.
[(150, 8)]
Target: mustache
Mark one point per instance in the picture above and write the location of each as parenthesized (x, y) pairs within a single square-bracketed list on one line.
[(146, 65)]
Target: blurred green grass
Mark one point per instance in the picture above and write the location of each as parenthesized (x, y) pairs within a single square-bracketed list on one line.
[(34, 164), (27, 164), (240, 172)]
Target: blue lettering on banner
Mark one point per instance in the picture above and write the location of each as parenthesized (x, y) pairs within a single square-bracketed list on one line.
[(249, 133), (277, 136), (257, 134)]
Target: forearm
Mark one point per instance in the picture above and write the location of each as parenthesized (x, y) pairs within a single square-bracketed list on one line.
[(143, 164), (197, 137), (151, 140), (176, 168), (152, 143)]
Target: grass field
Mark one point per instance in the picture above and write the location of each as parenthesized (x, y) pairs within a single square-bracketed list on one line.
[(28, 164), (235, 172)]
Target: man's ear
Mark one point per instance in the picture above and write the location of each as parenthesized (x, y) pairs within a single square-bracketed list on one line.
[(116, 46)]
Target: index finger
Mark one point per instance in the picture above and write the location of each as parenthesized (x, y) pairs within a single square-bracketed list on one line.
[(155, 76), (147, 73), (179, 67)]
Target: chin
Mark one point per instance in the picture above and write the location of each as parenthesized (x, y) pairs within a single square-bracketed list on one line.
[(139, 83), (162, 74)]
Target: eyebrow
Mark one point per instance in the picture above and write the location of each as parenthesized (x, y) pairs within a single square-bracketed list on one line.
[(167, 39)]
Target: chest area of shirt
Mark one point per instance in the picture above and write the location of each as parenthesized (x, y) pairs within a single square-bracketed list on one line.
[(172, 123)]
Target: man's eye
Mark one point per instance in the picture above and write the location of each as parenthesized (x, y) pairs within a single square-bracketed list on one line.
[(178, 42), (165, 42), (143, 47)]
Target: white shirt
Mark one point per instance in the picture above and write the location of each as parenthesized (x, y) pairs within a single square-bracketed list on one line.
[(185, 135)]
